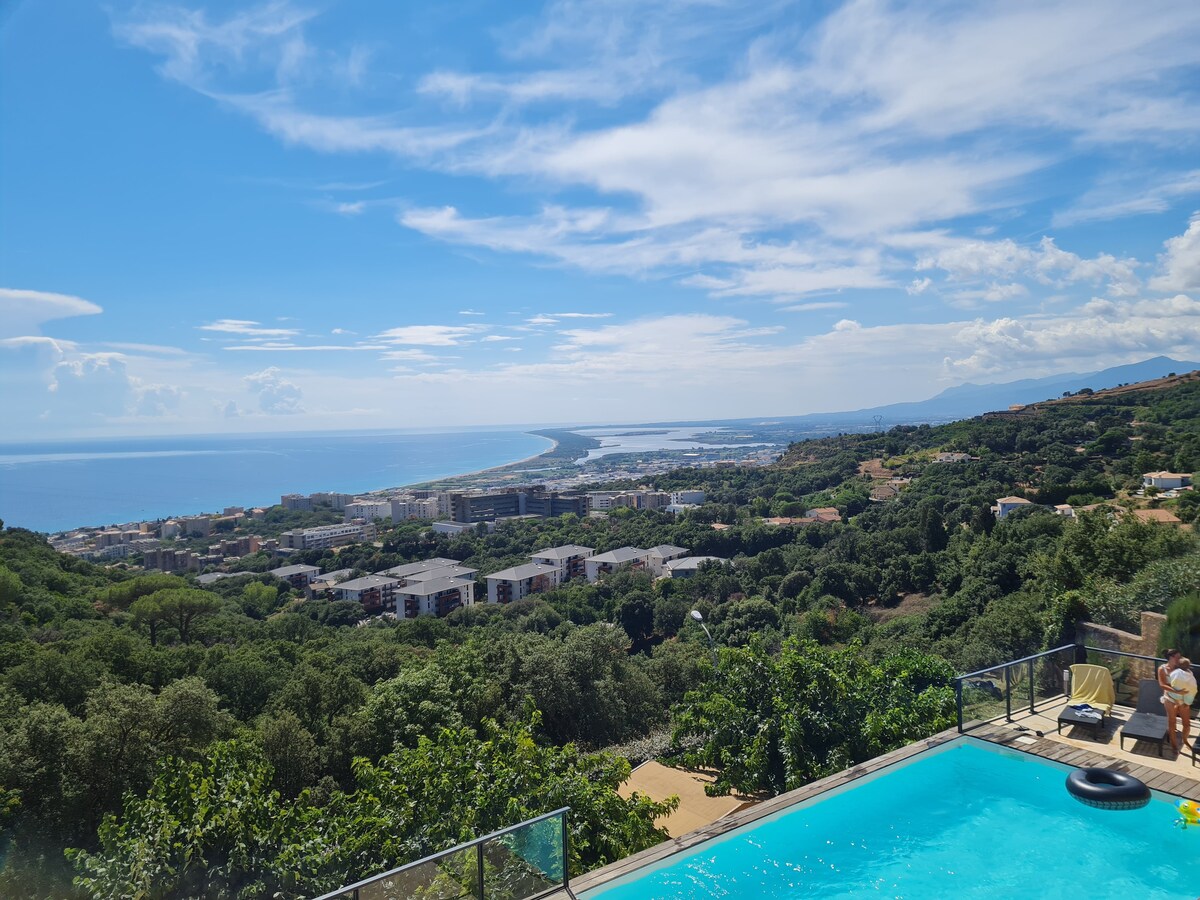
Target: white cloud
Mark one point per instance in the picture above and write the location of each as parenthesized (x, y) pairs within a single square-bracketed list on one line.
[(428, 335), (745, 148), (275, 394), (247, 328), (287, 347), (1180, 263), (22, 312), (970, 261), (410, 355), (471, 312), (492, 338), (815, 306), (918, 286)]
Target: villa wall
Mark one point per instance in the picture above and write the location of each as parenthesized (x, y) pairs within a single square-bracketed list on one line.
[(1144, 644)]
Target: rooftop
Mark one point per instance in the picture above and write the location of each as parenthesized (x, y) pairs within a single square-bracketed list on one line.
[(620, 555), (560, 552), (520, 573), (288, 571), (667, 550), (407, 569), (367, 582), (434, 586), (1156, 515), (455, 570), (1012, 500), (692, 562)]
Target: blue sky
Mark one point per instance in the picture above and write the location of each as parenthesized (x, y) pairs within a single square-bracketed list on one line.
[(298, 216)]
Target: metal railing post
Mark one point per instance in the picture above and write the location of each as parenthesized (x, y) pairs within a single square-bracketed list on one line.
[(566, 836), (479, 868), (1032, 693), (1008, 693), (958, 702)]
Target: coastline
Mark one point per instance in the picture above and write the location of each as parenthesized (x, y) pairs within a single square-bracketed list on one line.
[(110, 516), (425, 485)]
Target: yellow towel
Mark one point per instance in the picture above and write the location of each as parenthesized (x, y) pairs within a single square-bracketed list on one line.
[(1092, 685)]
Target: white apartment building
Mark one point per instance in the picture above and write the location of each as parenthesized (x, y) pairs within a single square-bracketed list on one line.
[(568, 559), (680, 498), (325, 536), (434, 597), (375, 592), (415, 508), (607, 563), (517, 583), (334, 499), (369, 510), (689, 565), (601, 500), (658, 557)]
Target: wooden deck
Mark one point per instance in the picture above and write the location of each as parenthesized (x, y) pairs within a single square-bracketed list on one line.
[(1156, 776)]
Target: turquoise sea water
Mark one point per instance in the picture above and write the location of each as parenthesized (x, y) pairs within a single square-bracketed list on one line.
[(51, 487), (966, 822)]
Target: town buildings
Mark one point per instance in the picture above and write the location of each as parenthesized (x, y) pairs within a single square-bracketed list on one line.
[(489, 506)]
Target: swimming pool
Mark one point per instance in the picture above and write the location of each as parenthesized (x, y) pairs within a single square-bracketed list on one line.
[(965, 820)]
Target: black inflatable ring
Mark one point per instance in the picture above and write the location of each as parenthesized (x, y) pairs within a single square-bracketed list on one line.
[(1107, 789)]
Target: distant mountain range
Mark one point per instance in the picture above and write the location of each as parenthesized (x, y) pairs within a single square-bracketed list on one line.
[(967, 400)]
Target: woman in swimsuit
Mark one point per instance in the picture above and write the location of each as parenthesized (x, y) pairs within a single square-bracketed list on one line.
[(1168, 697), (1183, 684)]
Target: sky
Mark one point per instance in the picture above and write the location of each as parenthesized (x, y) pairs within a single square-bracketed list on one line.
[(231, 218)]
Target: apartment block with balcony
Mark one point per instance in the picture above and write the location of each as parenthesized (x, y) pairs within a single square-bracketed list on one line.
[(325, 536), (658, 557), (606, 563), (376, 593), (568, 559), (298, 576), (435, 597), (517, 583)]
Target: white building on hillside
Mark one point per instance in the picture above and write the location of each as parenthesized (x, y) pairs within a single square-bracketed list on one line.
[(1166, 481), (607, 563), (658, 557), (690, 565), (1005, 505), (568, 559), (517, 583)]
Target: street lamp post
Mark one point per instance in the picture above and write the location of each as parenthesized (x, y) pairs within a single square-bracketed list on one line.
[(712, 645)]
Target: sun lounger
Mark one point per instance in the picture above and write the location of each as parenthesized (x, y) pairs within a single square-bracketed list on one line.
[(1091, 693), (1149, 720)]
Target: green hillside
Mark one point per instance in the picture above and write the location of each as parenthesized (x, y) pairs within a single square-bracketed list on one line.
[(239, 741)]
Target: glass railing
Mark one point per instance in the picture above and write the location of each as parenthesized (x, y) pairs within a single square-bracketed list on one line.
[(1022, 685), (521, 862)]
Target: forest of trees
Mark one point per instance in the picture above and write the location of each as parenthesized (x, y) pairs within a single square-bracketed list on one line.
[(237, 740)]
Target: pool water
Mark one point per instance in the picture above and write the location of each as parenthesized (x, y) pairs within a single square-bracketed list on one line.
[(967, 820)]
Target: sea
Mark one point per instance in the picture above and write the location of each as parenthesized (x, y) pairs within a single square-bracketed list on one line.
[(54, 487)]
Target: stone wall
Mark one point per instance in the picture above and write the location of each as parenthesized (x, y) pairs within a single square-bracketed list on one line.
[(1145, 644)]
